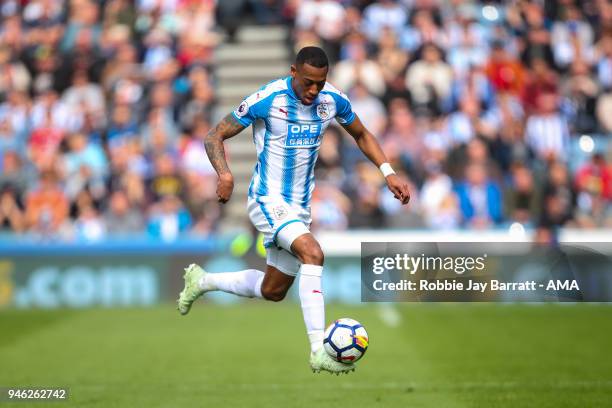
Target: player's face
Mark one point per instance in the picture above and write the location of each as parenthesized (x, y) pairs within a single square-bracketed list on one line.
[(308, 81)]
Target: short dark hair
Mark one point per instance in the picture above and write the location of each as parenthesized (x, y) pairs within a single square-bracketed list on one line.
[(314, 56)]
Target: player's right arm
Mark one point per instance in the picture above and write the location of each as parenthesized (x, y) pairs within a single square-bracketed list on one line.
[(213, 142)]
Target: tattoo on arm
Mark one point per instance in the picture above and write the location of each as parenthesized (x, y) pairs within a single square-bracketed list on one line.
[(213, 142)]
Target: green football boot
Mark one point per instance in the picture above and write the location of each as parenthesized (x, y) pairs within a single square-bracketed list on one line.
[(191, 291), (321, 361)]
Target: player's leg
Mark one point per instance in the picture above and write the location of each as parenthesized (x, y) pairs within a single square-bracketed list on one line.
[(275, 284), (271, 285), (245, 283), (308, 251), (303, 246), (280, 273)]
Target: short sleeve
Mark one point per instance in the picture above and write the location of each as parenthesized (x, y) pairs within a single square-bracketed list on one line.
[(344, 111), (255, 106), (244, 114)]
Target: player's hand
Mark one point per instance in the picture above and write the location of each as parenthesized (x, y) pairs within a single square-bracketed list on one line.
[(225, 187), (399, 188)]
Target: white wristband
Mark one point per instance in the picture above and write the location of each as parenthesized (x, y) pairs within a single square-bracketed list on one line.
[(386, 169)]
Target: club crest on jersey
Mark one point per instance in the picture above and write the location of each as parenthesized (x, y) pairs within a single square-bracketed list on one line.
[(280, 212), (323, 111), (242, 109)]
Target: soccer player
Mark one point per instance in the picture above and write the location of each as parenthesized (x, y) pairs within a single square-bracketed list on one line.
[(289, 117)]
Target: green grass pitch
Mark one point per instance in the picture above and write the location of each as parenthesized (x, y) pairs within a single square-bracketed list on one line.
[(255, 355)]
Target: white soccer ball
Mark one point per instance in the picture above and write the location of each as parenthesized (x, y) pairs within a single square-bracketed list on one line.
[(346, 340)]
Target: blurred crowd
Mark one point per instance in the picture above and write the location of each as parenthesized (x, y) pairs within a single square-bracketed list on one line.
[(497, 112), (103, 107)]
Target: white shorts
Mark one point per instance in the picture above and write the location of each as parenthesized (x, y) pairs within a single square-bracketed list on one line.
[(280, 223)]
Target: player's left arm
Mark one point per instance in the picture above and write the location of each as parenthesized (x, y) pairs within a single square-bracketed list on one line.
[(371, 148)]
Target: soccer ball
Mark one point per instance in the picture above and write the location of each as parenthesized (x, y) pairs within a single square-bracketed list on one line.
[(346, 340)]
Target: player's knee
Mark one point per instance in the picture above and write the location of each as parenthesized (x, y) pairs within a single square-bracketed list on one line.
[(312, 254), (273, 293)]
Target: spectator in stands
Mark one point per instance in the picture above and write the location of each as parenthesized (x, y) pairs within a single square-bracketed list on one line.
[(522, 200), (465, 124), (120, 217), (422, 31), (391, 59), (13, 73), (546, 131), (381, 14), (86, 95), (168, 218), (15, 174), (441, 210), (604, 62), (504, 71), (46, 207), (49, 111), (401, 140), (11, 213), (166, 179), (477, 151), (84, 165), (506, 120), (368, 107), (15, 109), (572, 38), (594, 200), (134, 185), (329, 163), (466, 39), (199, 106), (158, 51), (9, 139), (83, 22), (201, 202), (116, 95), (473, 83), (541, 79), (193, 158), (122, 73), (603, 110), (122, 126), (580, 92), (326, 19), (330, 208), (358, 68), (559, 199), (89, 226), (159, 134), (479, 198), (429, 79), (363, 190), (401, 216), (535, 36)]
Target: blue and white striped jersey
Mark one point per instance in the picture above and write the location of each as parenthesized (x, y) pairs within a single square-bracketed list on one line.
[(287, 135)]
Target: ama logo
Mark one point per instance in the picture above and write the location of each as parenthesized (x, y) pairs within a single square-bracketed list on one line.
[(303, 135)]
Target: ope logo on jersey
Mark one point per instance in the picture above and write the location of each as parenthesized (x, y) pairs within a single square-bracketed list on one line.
[(303, 135)]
